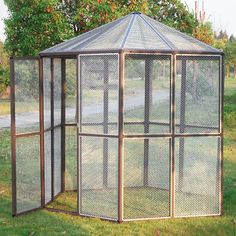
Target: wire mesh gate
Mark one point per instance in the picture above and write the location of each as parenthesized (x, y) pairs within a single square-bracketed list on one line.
[(149, 130)]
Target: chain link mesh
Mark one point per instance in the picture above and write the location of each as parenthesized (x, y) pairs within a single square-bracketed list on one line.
[(99, 93), (48, 166), (57, 161), (47, 92), (57, 90), (98, 193), (146, 178), (28, 184), (70, 91), (197, 176), (197, 94), (26, 95), (178, 40), (70, 158), (147, 94)]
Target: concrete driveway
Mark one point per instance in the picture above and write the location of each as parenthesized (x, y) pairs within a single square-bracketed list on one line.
[(30, 118)]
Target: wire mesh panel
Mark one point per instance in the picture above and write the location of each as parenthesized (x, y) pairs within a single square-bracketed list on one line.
[(98, 93), (47, 92), (26, 178), (26, 95), (71, 158), (111, 38), (70, 90), (57, 161), (141, 36), (57, 90), (47, 124), (197, 94), (146, 178), (48, 166), (197, 176), (98, 195), (147, 94), (28, 182)]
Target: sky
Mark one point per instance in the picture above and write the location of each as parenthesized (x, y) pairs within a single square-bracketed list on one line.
[(221, 13), (3, 14)]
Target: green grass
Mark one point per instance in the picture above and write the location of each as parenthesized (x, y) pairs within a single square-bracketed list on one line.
[(230, 86), (43, 222)]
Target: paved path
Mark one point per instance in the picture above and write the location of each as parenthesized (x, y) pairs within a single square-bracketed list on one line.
[(29, 118)]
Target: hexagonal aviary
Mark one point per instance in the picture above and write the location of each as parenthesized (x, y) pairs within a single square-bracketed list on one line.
[(123, 123)]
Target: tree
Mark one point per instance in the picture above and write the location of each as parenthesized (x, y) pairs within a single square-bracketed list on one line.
[(232, 38), (89, 14), (174, 14), (4, 69), (222, 35), (34, 25), (204, 33), (230, 58)]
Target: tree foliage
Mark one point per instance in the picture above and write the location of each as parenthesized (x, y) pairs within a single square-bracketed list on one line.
[(230, 57), (88, 14), (174, 14), (34, 25), (204, 33), (4, 69)]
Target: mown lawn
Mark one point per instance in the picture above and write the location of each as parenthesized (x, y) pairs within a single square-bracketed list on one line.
[(43, 222)]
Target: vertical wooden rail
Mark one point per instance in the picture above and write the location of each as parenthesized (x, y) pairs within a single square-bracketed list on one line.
[(105, 119), (172, 187), (222, 79), (120, 141), (52, 126), (78, 129), (13, 137), (63, 104)]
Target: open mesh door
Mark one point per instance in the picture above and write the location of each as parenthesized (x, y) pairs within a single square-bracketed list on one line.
[(27, 184)]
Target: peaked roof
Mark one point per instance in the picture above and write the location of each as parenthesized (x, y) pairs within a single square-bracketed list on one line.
[(135, 31)]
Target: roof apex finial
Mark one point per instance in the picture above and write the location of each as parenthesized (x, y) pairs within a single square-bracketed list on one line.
[(136, 12)]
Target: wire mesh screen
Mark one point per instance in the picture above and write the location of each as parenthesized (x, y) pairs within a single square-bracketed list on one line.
[(99, 93), (197, 94), (57, 161), (28, 183), (197, 176), (110, 38), (57, 90), (26, 95), (146, 178), (141, 36), (98, 177), (47, 166), (71, 158), (70, 90), (47, 92), (147, 94)]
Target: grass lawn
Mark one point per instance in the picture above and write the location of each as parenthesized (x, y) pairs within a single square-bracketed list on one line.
[(43, 222)]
